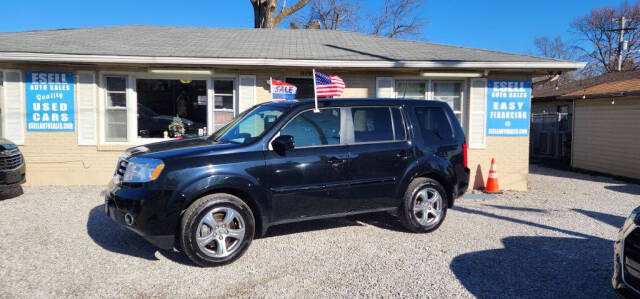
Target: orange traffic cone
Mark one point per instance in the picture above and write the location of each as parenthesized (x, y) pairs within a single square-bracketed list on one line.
[(492, 181)]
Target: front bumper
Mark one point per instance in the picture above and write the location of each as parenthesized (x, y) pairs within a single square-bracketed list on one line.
[(13, 177), (143, 212), (618, 281)]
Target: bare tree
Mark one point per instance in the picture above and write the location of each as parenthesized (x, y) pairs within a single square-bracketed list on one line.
[(558, 49), (554, 48), (399, 17), (331, 15), (265, 13), (600, 32)]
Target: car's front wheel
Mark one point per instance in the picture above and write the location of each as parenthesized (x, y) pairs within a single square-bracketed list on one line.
[(424, 205), (216, 229)]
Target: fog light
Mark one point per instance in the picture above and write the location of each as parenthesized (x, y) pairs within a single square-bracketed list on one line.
[(128, 219)]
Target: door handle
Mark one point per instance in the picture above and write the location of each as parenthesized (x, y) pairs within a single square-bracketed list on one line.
[(335, 161), (402, 155)]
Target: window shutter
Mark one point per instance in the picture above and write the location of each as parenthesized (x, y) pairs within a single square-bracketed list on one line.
[(478, 113), (384, 87), (87, 134), (13, 108), (247, 92)]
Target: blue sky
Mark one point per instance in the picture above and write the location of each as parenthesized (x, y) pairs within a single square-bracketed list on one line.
[(489, 24)]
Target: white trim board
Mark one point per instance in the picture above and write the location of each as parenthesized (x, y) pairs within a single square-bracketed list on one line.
[(50, 57)]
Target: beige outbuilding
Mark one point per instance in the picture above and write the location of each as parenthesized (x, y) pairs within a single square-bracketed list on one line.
[(605, 123)]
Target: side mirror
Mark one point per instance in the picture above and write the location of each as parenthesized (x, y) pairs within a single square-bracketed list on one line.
[(282, 144)]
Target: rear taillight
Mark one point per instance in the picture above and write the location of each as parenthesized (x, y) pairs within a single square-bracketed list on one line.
[(464, 154)]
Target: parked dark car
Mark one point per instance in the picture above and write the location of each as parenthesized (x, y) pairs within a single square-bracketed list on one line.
[(281, 162), (12, 166), (153, 125), (626, 258)]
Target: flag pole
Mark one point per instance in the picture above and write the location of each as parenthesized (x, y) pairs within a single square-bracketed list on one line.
[(271, 88), (315, 95)]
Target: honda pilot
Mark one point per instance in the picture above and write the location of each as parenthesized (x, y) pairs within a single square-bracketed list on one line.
[(291, 161)]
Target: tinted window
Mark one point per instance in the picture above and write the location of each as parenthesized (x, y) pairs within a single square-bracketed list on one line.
[(434, 125), (250, 125), (304, 85), (312, 129), (372, 124), (398, 124)]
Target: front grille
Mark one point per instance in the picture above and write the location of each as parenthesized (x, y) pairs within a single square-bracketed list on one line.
[(120, 169), (632, 259), (11, 161)]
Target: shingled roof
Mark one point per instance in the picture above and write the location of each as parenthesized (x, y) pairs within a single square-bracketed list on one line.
[(225, 43), (615, 84)]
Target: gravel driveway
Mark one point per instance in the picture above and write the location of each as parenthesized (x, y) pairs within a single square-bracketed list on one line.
[(554, 241)]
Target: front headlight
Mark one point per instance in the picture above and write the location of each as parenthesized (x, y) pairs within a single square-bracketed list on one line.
[(141, 170)]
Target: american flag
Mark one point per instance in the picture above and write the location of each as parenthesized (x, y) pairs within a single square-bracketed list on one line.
[(328, 85)]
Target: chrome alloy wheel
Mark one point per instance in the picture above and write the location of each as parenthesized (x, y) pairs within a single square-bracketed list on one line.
[(220, 232), (427, 206)]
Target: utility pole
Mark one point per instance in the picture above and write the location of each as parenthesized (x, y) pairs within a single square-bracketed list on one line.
[(623, 23), (621, 42)]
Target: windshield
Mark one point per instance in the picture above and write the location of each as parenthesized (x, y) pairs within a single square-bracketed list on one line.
[(250, 125)]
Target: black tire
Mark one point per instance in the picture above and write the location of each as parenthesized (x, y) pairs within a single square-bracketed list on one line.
[(407, 215), (191, 223)]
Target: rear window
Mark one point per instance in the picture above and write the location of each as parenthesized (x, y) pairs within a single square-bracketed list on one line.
[(434, 125), (398, 124), (372, 124)]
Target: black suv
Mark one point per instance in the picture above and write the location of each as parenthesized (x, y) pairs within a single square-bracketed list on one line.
[(283, 162), (12, 166)]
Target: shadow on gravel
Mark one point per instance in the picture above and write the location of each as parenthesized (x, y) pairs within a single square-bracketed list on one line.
[(11, 192), (115, 238), (613, 220), (535, 267), (382, 220), (632, 189), (517, 209)]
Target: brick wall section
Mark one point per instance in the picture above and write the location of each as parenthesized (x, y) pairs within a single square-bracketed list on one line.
[(56, 159), (512, 161)]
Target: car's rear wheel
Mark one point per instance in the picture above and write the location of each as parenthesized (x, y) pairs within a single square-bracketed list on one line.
[(216, 229), (424, 206)]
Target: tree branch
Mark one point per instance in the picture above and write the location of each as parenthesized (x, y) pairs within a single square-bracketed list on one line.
[(288, 11)]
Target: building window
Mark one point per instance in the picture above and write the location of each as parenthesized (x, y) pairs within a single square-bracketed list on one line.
[(451, 93), (161, 101), (223, 102), (304, 85), (116, 109), (411, 90)]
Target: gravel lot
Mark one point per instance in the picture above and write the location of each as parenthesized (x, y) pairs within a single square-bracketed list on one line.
[(555, 241)]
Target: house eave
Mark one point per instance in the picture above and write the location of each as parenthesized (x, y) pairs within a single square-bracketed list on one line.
[(200, 61)]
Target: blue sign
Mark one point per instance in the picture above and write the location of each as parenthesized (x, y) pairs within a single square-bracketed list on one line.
[(50, 101), (508, 107)]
